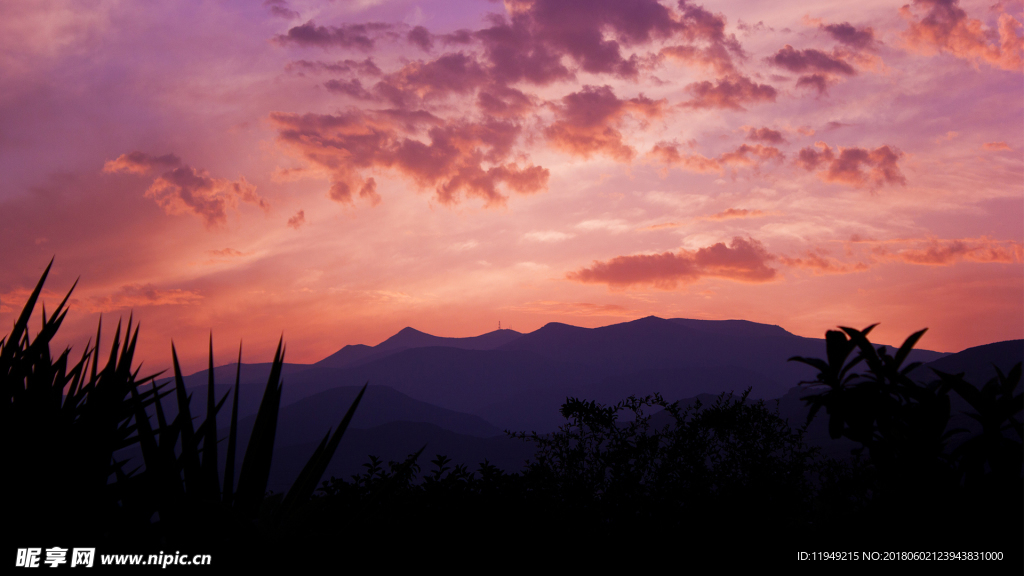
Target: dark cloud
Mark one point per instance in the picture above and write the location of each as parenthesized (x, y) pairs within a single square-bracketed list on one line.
[(846, 33), (455, 73), (516, 55), (743, 260), (596, 35), (710, 46), (458, 158), (766, 135), (361, 36), (458, 37), (352, 88), (810, 60), (280, 9), (819, 82), (730, 92), (854, 166), (421, 37), (503, 102), (586, 122), (187, 190)]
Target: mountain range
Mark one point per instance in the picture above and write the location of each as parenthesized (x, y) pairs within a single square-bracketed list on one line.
[(456, 395)]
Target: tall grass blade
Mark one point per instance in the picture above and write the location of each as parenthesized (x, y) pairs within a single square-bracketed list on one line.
[(229, 468), (189, 447), (210, 437), (252, 480), (310, 476)]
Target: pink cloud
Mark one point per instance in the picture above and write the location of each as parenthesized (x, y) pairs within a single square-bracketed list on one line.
[(945, 27), (947, 252), (187, 190), (743, 260), (766, 135), (819, 263), (810, 60), (587, 121), (996, 146), (361, 36), (731, 213), (754, 155), (854, 166), (297, 220), (455, 73), (818, 69), (280, 9), (459, 158), (730, 92), (140, 295), (366, 67), (353, 88), (421, 37), (751, 155), (140, 163), (846, 33)]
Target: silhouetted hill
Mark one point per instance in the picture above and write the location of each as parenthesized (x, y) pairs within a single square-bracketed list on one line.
[(977, 363), (408, 338), (518, 381)]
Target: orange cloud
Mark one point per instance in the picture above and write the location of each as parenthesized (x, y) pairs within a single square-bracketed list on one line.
[(743, 260), (140, 163), (298, 220), (945, 27), (744, 155), (821, 264), (186, 190), (730, 213), (996, 146), (183, 189), (947, 252)]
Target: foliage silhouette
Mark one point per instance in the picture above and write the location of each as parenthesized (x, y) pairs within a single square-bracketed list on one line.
[(914, 481), (64, 425)]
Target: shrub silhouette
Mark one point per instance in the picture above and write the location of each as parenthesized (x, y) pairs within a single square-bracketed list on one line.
[(915, 482)]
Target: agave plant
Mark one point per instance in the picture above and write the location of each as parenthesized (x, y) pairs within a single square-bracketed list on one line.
[(64, 425)]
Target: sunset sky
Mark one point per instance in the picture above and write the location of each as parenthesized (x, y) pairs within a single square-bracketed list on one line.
[(336, 171)]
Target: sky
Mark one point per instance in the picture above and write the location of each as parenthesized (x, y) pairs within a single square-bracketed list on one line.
[(330, 172)]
